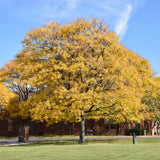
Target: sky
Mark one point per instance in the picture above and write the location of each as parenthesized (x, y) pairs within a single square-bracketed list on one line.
[(136, 22)]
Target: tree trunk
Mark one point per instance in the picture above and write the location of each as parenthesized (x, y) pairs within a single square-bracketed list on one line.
[(144, 132), (82, 130), (23, 131), (152, 128), (144, 129)]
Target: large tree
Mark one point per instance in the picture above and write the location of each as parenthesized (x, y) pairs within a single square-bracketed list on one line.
[(80, 71)]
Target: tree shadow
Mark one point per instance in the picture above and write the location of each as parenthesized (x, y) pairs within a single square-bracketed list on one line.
[(47, 142)]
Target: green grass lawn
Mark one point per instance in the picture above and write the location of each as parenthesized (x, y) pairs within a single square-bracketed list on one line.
[(144, 149)]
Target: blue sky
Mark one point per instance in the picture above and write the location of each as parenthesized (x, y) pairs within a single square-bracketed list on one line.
[(136, 22)]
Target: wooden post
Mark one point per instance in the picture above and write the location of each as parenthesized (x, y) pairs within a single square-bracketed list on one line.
[(134, 136)]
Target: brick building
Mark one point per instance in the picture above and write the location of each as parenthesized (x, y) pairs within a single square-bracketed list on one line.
[(93, 127)]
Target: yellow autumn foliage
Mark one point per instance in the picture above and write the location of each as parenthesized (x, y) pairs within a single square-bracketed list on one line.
[(6, 97), (81, 69)]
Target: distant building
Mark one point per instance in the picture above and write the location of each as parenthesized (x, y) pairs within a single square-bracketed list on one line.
[(93, 127)]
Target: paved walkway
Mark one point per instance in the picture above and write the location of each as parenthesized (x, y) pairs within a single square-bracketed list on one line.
[(7, 142)]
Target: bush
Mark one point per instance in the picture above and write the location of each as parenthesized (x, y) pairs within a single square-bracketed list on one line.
[(45, 134), (147, 133), (138, 132)]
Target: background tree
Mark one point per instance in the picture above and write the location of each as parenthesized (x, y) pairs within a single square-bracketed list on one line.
[(15, 108), (151, 100), (5, 97), (12, 80)]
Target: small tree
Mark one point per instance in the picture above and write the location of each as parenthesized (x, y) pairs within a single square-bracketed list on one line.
[(21, 90)]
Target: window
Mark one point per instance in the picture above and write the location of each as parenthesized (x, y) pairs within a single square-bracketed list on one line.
[(137, 126), (10, 127), (109, 124)]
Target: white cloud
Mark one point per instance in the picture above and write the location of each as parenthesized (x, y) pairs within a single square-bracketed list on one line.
[(56, 9), (115, 13), (121, 26), (71, 4)]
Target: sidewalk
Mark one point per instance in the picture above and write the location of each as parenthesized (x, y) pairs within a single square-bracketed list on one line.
[(13, 142)]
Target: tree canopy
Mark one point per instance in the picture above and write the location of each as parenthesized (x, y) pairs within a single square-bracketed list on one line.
[(80, 69)]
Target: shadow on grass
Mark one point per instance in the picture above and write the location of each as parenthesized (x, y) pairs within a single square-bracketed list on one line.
[(76, 142), (57, 142), (51, 142)]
